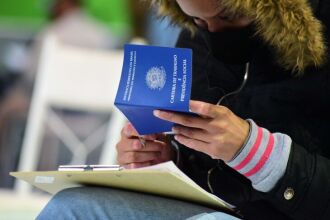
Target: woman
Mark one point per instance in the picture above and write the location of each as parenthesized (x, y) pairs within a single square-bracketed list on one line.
[(261, 78)]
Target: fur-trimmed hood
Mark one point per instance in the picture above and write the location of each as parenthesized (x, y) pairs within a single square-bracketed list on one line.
[(288, 26)]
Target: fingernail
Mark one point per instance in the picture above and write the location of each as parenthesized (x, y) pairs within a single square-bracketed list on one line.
[(156, 113), (175, 130)]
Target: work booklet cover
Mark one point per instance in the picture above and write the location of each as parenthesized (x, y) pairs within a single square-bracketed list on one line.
[(154, 78)]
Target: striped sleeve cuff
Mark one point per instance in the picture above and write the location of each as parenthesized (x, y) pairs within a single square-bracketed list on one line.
[(264, 157)]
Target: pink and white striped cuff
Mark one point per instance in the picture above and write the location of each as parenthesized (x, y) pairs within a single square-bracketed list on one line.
[(263, 158)]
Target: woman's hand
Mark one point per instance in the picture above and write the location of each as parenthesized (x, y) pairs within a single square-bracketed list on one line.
[(218, 132), (132, 154)]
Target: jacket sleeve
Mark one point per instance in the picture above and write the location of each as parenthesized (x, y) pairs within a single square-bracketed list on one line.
[(304, 190)]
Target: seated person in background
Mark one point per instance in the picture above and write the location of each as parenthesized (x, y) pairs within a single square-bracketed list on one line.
[(73, 25), (266, 149), (70, 23)]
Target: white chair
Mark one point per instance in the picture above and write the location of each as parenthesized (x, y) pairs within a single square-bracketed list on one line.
[(74, 78)]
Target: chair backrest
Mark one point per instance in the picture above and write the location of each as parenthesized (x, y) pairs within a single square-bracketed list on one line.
[(74, 78)]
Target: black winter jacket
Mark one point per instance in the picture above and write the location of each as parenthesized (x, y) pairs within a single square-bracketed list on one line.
[(277, 100)]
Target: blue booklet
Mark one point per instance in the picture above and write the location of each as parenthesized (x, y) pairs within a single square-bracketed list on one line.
[(154, 78)]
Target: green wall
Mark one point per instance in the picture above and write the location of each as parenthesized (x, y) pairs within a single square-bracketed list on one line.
[(114, 13)]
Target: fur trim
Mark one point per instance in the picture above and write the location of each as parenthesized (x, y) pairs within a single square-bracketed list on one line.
[(288, 26), (169, 8)]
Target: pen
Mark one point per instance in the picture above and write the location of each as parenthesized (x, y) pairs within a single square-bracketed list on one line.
[(88, 167), (142, 141)]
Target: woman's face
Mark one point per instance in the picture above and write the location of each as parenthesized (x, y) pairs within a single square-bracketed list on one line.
[(209, 14)]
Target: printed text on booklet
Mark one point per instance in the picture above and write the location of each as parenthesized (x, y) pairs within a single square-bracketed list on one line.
[(154, 78)]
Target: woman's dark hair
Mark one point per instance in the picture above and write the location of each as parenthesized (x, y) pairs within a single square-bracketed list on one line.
[(60, 7)]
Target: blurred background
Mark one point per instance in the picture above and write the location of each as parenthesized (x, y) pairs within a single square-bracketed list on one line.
[(57, 87)]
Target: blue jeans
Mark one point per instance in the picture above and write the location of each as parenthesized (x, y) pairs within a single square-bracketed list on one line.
[(108, 203)]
